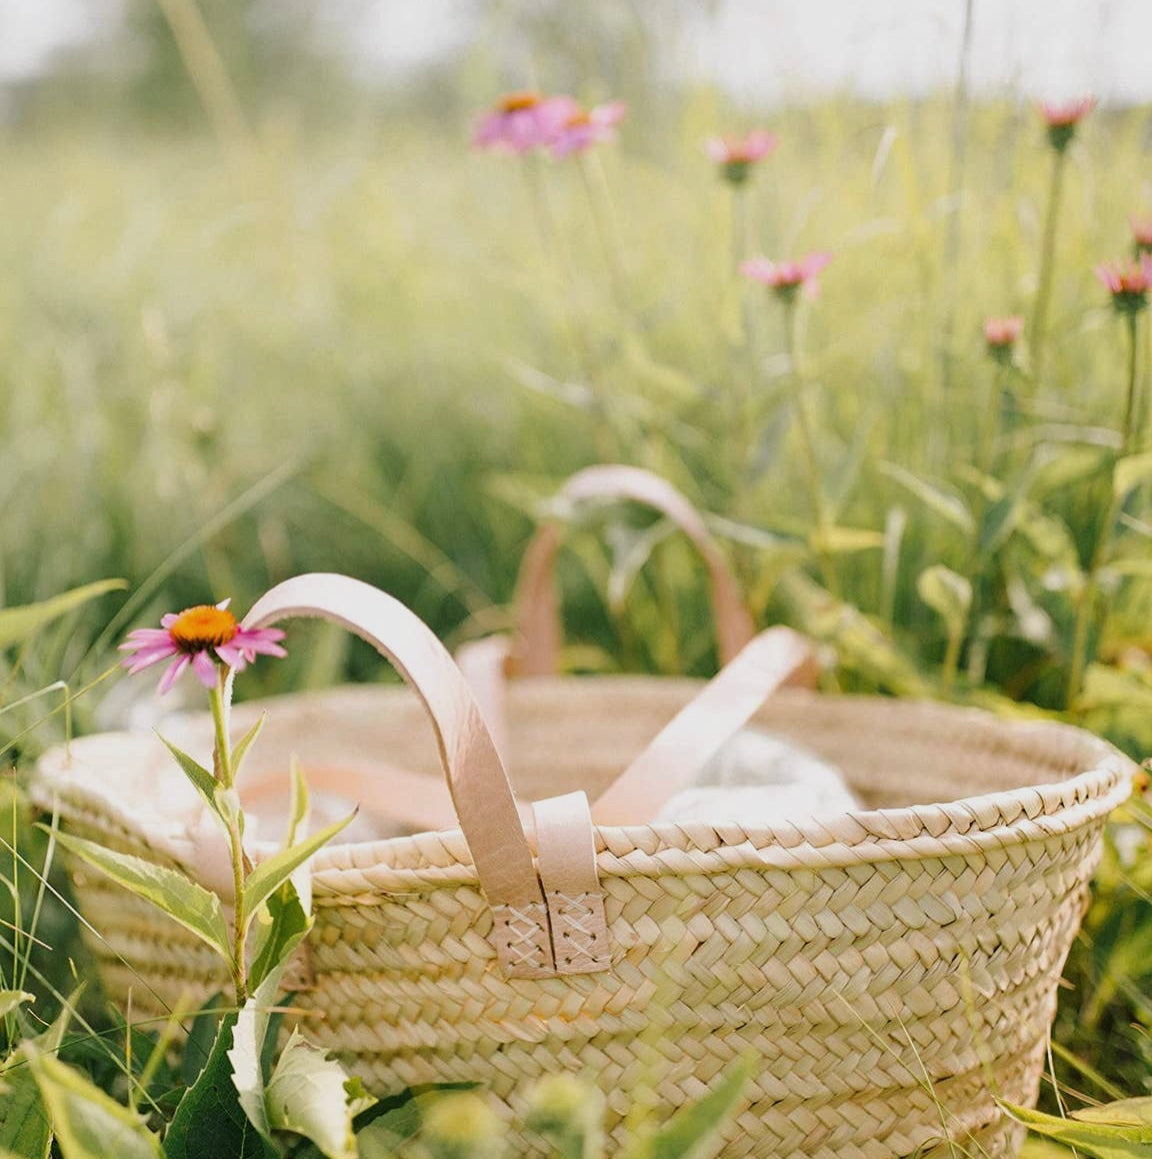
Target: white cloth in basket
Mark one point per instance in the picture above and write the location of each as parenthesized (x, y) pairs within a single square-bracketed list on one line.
[(758, 778)]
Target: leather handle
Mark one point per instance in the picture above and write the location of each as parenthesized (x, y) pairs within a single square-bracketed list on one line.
[(774, 659), (482, 797), (537, 602)]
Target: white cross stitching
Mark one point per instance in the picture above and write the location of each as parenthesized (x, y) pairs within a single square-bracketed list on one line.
[(523, 942)]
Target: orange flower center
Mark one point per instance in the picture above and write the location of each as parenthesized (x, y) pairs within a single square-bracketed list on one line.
[(518, 102), (204, 627), (577, 120)]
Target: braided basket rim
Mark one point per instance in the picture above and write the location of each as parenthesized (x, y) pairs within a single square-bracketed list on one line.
[(963, 827)]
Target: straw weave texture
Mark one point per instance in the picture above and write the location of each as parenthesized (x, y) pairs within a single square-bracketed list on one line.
[(885, 965)]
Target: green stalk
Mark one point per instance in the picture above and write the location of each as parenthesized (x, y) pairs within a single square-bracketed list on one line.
[(951, 657), (554, 252), (603, 221), (222, 758), (1089, 594), (808, 447), (1130, 401), (1047, 265)]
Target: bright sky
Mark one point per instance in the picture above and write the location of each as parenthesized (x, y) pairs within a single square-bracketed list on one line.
[(761, 48)]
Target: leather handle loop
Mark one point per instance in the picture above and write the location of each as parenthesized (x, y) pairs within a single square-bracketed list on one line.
[(537, 602), (481, 793), (777, 658)]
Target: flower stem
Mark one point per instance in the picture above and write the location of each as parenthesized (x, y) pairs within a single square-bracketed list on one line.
[(1129, 429), (604, 222), (225, 773), (554, 251), (1047, 265), (811, 467)]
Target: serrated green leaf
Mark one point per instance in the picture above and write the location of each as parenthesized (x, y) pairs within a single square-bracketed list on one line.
[(194, 907), (24, 1124), (692, 1132), (87, 1123), (240, 749), (1105, 1141), (1130, 472), (947, 504), (203, 781), (209, 1122), (945, 592), (17, 624), (847, 540), (306, 1095), (271, 873), (12, 999)]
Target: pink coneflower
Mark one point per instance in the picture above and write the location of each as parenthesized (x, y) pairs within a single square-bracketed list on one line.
[(204, 638), (523, 121), (587, 127), (737, 155), (1062, 117), (1128, 283), (787, 278), (1001, 336), (1141, 234)]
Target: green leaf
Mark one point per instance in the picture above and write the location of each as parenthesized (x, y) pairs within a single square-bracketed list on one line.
[(198, 1045), (946, 504), (1122, 1113), (209, 1122), (691, 1133), (1130, 472), (88, 1124), (306, 1095), (298, 806), (1104, 1140), (203, 780), (246, 1054), (946, 592), (194, 907), (847, 540), (24, 1124), (281, 925), (17, 624), (240, 750), (12, 999), (271, 873)]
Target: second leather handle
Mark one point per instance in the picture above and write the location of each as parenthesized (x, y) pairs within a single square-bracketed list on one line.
[(537, 602)]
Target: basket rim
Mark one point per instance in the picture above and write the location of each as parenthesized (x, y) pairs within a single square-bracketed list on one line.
[(961, 827)]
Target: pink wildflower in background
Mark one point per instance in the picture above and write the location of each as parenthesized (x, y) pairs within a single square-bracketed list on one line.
[(202, 638), (522, 121), (1141, 234), (1001, 336), (1062, 118), (787, 278), (737, 155), (586, 127), (1128, 283)]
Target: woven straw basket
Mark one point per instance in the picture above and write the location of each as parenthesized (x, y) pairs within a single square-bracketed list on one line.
[(893, 968)]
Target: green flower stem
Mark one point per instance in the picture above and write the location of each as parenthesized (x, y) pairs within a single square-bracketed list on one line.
[(555, 253), (222, 758), (604, 222), (808, 448), (1130, 410), (1047, 265)]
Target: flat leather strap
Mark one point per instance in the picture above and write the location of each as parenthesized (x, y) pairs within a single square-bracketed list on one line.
[(482, 797), (566, 855), (537, 606)]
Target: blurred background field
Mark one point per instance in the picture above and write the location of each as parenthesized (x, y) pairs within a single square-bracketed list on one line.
[(266, 311)]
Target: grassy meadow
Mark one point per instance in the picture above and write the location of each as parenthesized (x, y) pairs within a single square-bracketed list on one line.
[(376, 351)]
